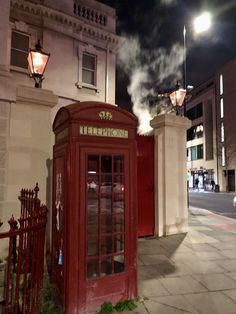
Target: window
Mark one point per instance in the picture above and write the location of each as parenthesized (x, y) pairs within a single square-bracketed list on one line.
[(195, 112), (89, 69), (195, 152), (19, 50), (195, 132), (222, 108), (222, 132), (221, 85), (200, 151)]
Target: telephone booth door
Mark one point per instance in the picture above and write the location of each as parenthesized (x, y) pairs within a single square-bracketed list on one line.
[(107, 209)]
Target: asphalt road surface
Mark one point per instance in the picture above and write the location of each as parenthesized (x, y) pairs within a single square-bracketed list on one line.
[(219, 203)]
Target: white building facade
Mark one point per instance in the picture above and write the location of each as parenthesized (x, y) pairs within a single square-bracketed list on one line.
[(81, 39)]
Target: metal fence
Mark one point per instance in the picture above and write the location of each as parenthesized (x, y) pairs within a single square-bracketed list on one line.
[(24, 269)]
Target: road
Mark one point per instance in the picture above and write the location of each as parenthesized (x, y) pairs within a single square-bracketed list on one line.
[(220, 203)]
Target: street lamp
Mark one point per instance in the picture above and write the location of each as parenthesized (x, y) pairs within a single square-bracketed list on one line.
[(177, 97), (201, 24), (37, 60)]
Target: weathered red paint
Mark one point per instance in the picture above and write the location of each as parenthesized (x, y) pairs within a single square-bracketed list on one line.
[(145, 162), (81, 176)]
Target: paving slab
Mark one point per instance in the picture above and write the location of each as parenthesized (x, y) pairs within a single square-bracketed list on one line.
[(201, 247), (155, 307), (224, 245), (232, 274), (231, 294), (154, 259), (229, 265), (214, 282), (149, 272), (182, 285), (152, 287), (210, 255), (212, 302), (181, 269), (177, 303), (231, 254), (199, 237)]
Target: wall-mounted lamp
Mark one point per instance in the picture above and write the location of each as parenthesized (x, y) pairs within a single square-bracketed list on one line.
[(38, 60)]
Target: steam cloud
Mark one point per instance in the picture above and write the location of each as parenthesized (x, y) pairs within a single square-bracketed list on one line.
[(150, 72)]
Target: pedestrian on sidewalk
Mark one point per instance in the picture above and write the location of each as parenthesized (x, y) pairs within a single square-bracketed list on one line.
[(212, 185), (196, 184)]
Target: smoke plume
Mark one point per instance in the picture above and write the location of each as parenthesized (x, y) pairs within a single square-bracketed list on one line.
[(151, 73)]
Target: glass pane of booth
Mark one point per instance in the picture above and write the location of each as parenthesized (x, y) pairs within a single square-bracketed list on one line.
[(105, 215), (106, 204), (106, 223), (106, 164), (92, 268), (106, 266), (106, 184), (119, 263), (92, 225), (92, 246), (118, 243), (118, 164), (92, 184), (118, 204), (93, 164), (106, 245), (118, 223)]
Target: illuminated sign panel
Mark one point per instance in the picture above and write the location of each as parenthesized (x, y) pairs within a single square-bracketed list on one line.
[(107, 132)]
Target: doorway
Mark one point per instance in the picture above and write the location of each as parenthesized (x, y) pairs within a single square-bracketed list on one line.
[(231, 180)]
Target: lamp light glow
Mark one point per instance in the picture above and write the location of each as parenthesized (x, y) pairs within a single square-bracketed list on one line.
[(202, 23)]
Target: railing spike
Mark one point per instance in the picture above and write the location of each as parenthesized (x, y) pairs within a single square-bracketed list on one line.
[(36, 190)]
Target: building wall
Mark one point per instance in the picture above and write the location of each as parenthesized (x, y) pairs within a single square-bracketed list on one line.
[(220, 89), (27, 113), (227, 95), (204, 168)]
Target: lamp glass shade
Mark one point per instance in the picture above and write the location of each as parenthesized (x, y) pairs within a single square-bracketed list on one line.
[(37, 62), (177, 97)]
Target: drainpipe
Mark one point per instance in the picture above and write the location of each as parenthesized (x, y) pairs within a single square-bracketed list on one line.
[(107, 74)]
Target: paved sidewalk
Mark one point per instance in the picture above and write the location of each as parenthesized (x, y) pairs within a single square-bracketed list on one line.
[(190, 273)]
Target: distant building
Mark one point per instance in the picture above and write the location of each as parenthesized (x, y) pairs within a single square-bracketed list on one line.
[(81, 39), (211, 141)]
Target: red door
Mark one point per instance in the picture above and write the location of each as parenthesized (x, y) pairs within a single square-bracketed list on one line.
[(145, 175), (107, 216)]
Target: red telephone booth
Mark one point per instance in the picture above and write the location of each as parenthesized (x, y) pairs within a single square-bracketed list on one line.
[(94, 214)]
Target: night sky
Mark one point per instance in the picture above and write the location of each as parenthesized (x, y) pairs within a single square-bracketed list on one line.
[(157, 25)]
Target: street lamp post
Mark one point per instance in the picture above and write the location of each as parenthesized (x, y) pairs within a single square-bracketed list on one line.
[(185, 66), (200, 25), (37, 60)]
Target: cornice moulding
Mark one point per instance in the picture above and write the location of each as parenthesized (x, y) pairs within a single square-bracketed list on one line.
[(68, 21)]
